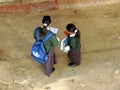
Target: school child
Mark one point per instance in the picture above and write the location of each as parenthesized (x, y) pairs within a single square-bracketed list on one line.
[(50, 45), (73, 36)]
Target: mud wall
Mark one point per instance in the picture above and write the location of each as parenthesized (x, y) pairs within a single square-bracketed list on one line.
[(60, 2), (46, 5), (30, 1), (10, 1), (28, 6), (6, 0), (78, 3), (24, 1)]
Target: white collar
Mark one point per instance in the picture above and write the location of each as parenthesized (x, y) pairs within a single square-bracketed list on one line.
[(48, 28), (72, 35)]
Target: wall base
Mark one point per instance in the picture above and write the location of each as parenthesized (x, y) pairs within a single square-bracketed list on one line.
[(29, 7)]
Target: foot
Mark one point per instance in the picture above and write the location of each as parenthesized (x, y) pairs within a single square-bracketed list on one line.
[(53, 69), (72, 65)]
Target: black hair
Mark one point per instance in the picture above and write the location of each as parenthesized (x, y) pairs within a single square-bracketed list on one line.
[(71, 28), (46, 20)]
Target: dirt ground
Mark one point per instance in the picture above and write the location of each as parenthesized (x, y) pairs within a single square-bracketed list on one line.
[(100, 39)]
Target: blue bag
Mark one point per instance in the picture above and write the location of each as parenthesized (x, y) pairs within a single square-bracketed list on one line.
[(38, 51)]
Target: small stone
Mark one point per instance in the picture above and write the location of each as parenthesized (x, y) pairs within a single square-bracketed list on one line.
[(72, 80), (48, 87), (119, 37), (82, 85), (100, 75), (116, 71), (106, 16)]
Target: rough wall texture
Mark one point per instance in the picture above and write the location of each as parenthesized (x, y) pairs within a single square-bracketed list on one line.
[(79, 3), (6, 0), (46, 5), (10, 0), (31, 1), (29, 7)]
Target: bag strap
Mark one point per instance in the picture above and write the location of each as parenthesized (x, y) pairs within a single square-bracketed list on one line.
[(47, 37), (37, 34)]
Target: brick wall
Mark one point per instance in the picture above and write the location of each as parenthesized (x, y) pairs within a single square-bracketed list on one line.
[(10, 0), (46, 5), (32, 1)]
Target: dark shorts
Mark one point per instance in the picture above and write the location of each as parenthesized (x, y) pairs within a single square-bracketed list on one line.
[(49, 64), (74, 56)]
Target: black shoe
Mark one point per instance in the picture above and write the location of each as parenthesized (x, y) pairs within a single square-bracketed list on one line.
[(72, 65), (53, 69)]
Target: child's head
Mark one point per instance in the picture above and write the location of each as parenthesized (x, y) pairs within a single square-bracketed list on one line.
[(71, 27), (72, 30), (46, 20)]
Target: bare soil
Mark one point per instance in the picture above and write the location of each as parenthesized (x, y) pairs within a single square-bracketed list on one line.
[(100, 39)]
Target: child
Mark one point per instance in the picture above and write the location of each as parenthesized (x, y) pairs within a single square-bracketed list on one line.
[(50, 44), (73, 36)]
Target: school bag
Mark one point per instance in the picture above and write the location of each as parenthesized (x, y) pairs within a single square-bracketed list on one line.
[(38, 51)]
